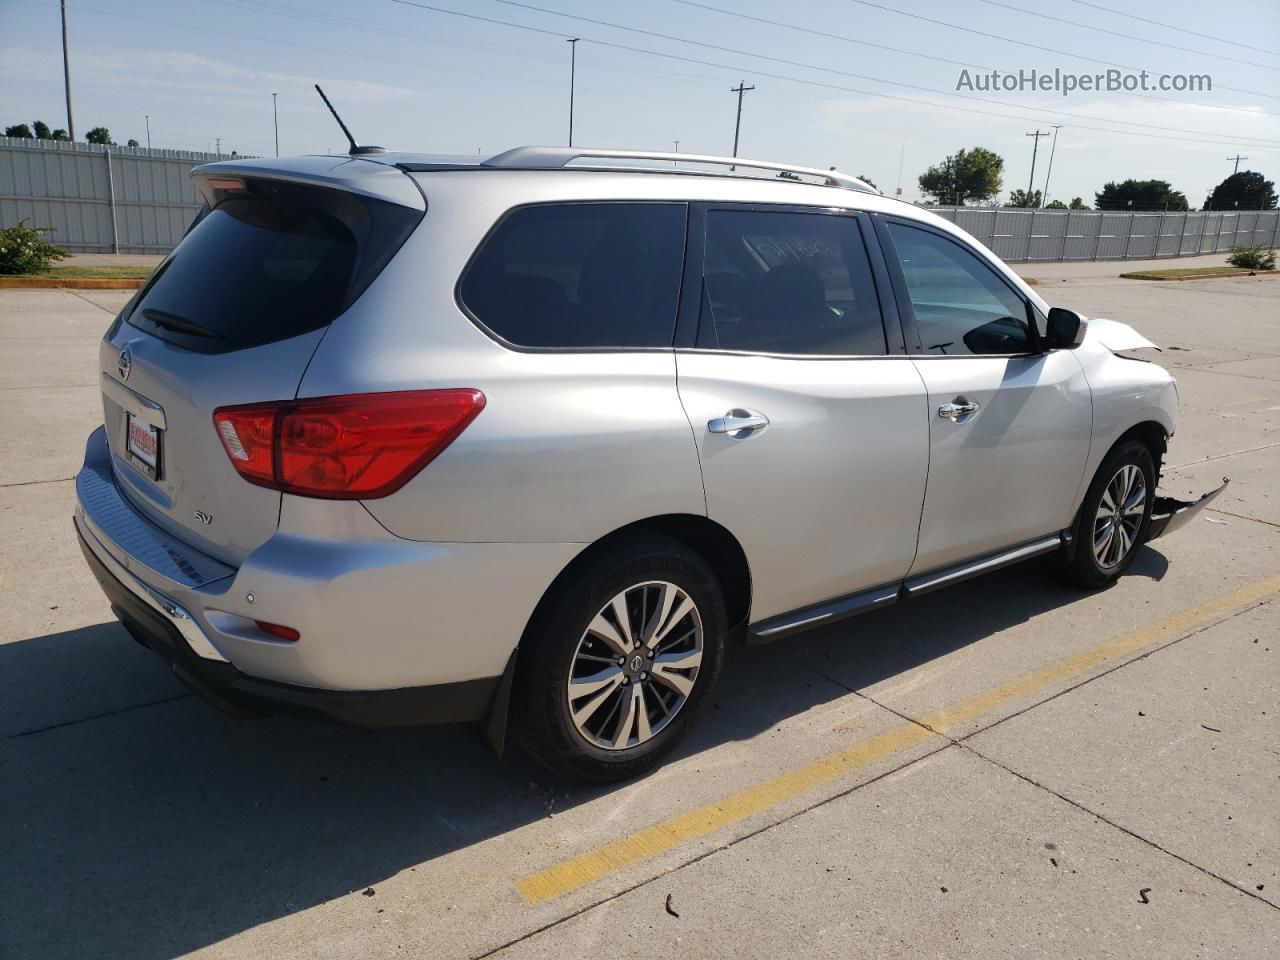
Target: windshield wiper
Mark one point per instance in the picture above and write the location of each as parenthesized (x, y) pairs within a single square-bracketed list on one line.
[(171, 321)]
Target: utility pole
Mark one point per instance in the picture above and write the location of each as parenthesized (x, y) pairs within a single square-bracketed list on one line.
[(218, 141), (573, 69), (1031, 181), (740, 89), (147, 117), (677, 143), (1237, 158), (275, 118), (1052, 150), (66, 74)]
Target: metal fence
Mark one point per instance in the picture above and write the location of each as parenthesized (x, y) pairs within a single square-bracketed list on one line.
[(134, 200), (1018, 234), (99, 199)]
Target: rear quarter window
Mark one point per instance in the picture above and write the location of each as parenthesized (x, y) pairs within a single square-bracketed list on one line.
[(273, 261), (580, 275)]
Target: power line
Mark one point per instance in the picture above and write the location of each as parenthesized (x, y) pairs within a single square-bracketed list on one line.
[(797, 63), (836, 36), (1126, 36), (829, 86), (1034, 46), (1169, 26)]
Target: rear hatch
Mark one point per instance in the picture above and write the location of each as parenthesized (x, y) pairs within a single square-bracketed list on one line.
[(233, 316)]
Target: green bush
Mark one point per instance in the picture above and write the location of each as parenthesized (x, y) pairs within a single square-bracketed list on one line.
[(23, 251), (1253, 258)]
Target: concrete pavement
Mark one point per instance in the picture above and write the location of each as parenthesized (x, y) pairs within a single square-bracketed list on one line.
[(1049, 757)]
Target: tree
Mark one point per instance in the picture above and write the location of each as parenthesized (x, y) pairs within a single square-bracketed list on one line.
[(132, 143), (1055, 205), (974, 174), (1020, 198), (1077, 203), (1246, 190), (867, 180), (99, 135), (59, 134), (41, 130), (1140, 195), (19, 130)]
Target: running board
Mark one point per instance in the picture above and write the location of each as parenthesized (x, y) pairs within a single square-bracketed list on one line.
[(925, 582), (850, 605), (820, 614)]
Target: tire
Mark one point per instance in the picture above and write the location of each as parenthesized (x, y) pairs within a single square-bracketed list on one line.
[(574, 636), (1102, 549)]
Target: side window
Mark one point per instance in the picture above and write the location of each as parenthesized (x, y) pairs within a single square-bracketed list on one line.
[(788, 283), (580, 275), (961, 306)]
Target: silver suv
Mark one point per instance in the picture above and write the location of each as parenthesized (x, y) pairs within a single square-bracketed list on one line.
[(398, 439)]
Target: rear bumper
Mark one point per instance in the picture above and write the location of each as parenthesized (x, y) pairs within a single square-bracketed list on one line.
[(158, 624), (392, 631)]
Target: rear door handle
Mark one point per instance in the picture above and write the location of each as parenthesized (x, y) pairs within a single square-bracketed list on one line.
[(738, 423), (957, 410)]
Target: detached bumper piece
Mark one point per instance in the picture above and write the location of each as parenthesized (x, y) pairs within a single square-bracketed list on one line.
[(226, 688), (1169, 514)]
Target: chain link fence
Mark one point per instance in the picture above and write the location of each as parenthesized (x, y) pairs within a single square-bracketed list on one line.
[(1018, 234)]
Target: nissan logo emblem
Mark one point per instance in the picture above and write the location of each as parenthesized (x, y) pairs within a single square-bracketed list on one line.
[(125, 364)]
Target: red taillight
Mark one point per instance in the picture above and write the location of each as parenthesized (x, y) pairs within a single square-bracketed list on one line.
[(357, 447), (276, 630)]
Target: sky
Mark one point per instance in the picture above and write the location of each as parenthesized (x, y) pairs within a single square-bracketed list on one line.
[(867, 87)]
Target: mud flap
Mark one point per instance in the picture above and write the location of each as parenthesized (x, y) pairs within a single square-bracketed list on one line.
[(1169, 514)]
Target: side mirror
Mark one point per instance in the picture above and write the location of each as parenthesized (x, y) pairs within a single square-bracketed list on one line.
[(1066, 329)]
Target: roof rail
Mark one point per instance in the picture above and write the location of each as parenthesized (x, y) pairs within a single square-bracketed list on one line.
[(554, 158)]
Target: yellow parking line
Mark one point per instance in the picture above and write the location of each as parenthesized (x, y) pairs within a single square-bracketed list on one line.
[(595, 864)]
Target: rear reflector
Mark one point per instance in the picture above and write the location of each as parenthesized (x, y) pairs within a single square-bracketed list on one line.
[(357, 447), (276, 630)]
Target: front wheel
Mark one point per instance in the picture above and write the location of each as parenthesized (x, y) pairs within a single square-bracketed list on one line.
[(618, 664), (1114, 516)]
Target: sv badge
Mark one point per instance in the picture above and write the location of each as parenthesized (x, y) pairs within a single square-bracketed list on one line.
[(205, 518)]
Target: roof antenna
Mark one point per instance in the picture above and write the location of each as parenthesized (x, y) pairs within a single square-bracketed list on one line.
[(356, 150)]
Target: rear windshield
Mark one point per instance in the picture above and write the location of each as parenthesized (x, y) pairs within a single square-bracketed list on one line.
[(274, 261)]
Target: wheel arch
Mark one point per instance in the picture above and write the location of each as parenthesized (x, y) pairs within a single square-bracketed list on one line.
[(712, 541)]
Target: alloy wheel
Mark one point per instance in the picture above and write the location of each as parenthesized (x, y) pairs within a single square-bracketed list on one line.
[(1119, 516), (635, 665)]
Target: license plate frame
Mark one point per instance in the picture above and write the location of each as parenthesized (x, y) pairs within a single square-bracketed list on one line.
[(139, 435)]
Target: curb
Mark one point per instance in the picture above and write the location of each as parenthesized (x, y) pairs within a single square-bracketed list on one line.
[(1206, 276), (70, 283)]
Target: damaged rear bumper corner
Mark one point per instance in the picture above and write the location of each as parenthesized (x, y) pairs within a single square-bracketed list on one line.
[(1169, 514)]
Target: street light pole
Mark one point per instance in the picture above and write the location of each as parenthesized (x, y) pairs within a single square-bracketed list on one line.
[(66, 74), (1053, 148), (573, 70), (147, 117), (1031, 181), (677, 143), (275, 118)]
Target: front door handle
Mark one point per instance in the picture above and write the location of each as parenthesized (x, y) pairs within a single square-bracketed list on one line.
[(738, 423), (958, 409)]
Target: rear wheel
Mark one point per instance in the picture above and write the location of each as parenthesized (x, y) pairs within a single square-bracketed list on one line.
[(620, 661), (1114, 516)]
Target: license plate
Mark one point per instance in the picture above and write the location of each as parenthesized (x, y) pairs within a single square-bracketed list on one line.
[(143, 445)]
